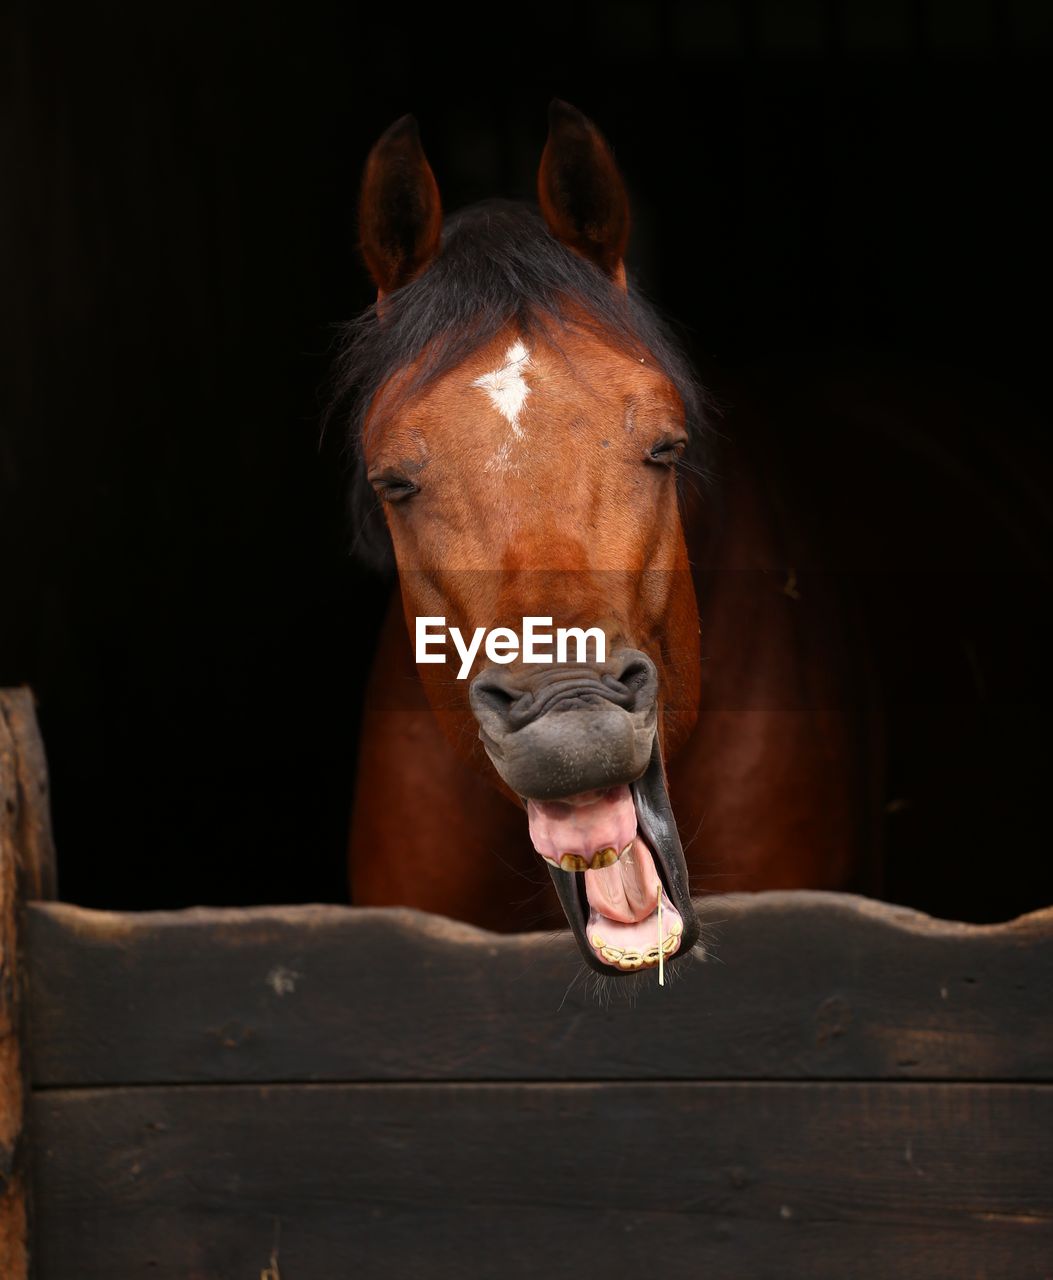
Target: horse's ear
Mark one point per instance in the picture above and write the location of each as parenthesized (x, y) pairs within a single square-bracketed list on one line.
[(581, 192), (400, 213)]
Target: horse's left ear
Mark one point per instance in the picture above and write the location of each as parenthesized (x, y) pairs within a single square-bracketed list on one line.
[(400, 213), (581, 192)]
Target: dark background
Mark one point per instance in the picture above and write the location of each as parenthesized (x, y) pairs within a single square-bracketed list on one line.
[(844, 203)]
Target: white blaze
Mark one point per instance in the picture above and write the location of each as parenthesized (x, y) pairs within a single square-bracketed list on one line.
[(503, 460), (507, 388)]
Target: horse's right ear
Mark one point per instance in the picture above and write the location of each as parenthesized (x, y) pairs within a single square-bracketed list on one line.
[(581, 192), (400, 213)]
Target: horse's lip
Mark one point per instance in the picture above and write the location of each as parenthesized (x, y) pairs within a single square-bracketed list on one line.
[(491, 747), (655, 821), (550, 696)]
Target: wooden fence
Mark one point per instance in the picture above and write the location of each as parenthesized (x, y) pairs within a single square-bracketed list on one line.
[(840, 1089)]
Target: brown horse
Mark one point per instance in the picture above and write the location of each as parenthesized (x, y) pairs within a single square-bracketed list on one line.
[(528, 425)]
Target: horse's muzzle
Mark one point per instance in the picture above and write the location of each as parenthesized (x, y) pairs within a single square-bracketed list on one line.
[(558, 731), (579, 745)]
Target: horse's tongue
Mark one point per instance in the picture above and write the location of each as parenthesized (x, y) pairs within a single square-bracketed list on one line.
[(628, 890)]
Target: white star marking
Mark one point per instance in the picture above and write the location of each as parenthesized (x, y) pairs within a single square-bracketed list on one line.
[(507, 388)]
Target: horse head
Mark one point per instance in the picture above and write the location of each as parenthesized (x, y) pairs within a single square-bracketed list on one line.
[(521, 415)]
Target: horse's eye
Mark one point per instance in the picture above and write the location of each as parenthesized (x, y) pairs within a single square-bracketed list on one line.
[(668, 451), (393, 486)]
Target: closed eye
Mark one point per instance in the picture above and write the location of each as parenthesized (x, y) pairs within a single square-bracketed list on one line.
[(393, 486), (668, 451)]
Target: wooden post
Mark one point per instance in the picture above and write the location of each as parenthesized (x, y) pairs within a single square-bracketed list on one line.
[(27, 870)]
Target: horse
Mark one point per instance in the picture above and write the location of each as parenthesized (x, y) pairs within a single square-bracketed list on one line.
[(530, 442)]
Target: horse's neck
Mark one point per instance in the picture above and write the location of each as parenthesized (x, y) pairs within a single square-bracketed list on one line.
[(771, 615), (781, 767)]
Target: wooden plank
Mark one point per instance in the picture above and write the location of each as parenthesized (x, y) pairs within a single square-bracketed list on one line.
[(801, 985), (714, 1180), (18, 727), (14, 1207)]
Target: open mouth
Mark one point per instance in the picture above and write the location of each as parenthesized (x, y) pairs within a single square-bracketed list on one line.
[(618, 867)]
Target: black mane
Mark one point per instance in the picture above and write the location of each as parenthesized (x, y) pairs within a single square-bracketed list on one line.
[(499, 265)]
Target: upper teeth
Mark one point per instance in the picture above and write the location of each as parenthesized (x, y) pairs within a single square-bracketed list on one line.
[(605, 857), (573, 862)]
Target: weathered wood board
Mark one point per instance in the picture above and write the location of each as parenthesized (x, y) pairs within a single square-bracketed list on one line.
[(839, 1088), (27, 869), (721, 1181), (798, 986)]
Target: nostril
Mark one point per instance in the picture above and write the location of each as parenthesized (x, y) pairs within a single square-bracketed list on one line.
[(490, 694), (636, 680), (494, 699), (636, 675)]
